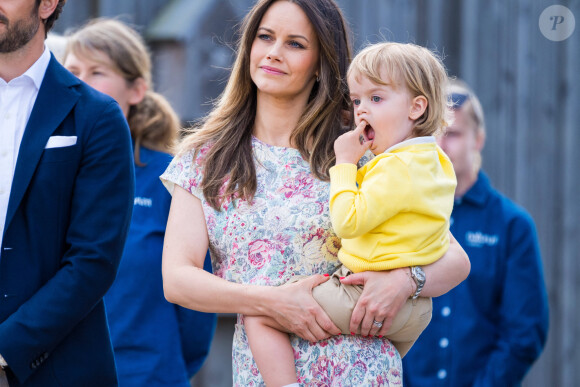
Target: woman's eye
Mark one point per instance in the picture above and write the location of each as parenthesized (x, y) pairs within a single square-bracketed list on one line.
[(295, 44), (356, 102), (376, 98), (264, 36)]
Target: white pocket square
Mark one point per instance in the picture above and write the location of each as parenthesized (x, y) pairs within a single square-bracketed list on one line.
[(60, 141)]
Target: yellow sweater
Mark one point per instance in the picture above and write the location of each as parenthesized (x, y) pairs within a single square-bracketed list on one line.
[(398, 216)]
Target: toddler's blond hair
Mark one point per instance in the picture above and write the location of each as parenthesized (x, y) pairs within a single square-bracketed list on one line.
[(415, 67)]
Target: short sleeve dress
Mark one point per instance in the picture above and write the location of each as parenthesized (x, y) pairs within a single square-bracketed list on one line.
[(286, 231)]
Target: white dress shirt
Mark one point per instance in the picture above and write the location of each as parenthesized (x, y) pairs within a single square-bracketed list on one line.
[(17, 98)]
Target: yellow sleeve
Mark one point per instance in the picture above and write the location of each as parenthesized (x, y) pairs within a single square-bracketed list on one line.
[(383, 191)]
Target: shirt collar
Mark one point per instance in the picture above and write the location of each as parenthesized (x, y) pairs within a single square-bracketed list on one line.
[(479, 192), (38, 69), (412, 141)]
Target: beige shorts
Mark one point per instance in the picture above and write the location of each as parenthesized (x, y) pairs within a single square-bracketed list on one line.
[(338, 302)]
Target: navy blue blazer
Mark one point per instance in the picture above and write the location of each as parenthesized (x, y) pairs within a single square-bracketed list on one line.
[(66, 224)]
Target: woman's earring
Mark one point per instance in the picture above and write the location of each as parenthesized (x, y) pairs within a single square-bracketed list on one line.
[(317, 78)]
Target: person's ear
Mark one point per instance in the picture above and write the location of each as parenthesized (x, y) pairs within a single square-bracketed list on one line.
[(479, 140), (137, 92), (46, 8), (418, 107)]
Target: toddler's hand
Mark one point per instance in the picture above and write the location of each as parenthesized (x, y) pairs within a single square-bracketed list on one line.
[(351, 146)]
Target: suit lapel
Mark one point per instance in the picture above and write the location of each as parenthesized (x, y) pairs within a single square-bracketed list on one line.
[(55, 100)]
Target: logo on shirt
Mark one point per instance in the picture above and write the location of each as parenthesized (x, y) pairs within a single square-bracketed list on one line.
[(143, 202), (478, 239)]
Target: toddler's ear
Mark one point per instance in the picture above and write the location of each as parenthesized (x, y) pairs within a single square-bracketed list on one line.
[(418, 107)]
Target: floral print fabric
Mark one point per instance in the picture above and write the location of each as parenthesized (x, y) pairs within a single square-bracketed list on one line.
[(285, 231)]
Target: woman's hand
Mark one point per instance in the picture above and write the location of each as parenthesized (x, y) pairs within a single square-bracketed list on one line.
[(384, 294), (296, 310)]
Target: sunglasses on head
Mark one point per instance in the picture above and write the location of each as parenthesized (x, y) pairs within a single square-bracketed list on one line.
[(458, 99)]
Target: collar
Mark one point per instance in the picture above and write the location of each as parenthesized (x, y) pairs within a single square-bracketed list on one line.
[(38, 69), (479, 192), (412, 141)]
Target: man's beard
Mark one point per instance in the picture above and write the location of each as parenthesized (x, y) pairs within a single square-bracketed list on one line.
[(18, 34)]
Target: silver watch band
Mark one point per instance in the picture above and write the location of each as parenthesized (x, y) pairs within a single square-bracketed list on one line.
[(418, 276)]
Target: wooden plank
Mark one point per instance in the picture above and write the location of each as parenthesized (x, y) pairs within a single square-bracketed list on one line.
[(570, 353)]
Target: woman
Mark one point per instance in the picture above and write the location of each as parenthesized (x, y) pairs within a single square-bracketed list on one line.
[(251, 182), (155, 342)]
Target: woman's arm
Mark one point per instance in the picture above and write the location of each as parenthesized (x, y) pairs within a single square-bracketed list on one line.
[(447, 272), (385, 292), (187, 284)]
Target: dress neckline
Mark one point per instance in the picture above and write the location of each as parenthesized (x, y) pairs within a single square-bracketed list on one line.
[(265, 144)]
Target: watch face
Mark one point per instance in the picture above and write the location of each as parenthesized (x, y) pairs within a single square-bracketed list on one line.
[(419, 273)]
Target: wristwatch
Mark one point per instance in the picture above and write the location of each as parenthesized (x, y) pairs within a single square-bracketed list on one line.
[(418, 276)]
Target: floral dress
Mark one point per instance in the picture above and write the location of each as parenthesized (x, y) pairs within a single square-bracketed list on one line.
[(285, 231)]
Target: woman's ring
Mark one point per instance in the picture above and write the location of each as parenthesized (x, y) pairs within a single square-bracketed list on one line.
[(361, 139), (377, 324)]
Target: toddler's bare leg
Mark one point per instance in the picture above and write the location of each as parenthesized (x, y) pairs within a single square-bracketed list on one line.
[(271, 350)]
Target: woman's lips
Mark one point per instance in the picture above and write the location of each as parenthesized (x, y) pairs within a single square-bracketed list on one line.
[(272, 70)]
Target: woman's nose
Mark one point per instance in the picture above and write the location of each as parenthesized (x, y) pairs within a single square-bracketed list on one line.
[(274, 53)]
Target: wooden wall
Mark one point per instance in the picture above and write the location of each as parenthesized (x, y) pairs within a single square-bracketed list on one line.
[(529, 87)]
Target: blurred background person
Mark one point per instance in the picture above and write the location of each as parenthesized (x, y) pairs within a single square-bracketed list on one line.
[(56, 44), (155, 343), (489, 330)]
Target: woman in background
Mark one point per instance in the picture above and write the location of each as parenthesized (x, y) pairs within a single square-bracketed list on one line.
[(156, 343)]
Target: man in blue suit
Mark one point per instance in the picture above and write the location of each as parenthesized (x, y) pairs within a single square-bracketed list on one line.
[(66, 195)]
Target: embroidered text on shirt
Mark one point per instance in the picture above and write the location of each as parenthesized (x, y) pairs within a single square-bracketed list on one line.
[(477, 239)]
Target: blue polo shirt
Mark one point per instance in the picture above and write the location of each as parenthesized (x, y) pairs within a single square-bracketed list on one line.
[(156, 343), (491, 328)]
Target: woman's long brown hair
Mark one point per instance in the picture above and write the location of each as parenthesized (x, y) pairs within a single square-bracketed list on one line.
[(228, 127)]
